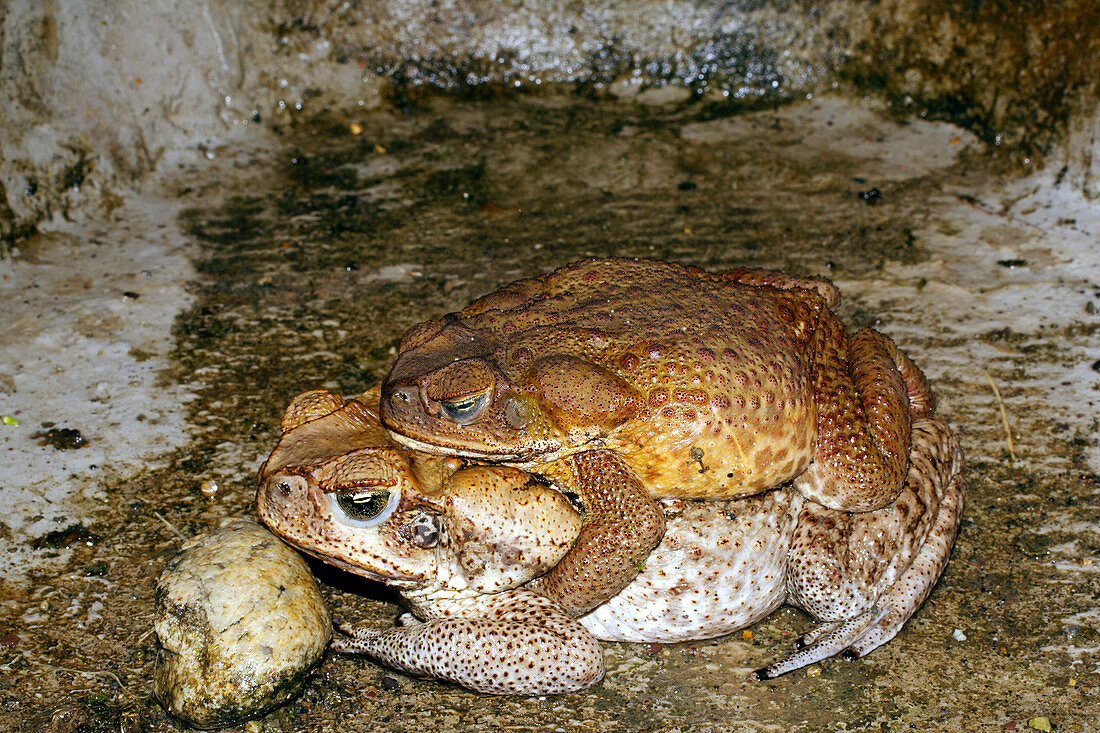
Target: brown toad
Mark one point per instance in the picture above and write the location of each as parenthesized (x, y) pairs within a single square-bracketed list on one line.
[(626, 381), (462, 545)]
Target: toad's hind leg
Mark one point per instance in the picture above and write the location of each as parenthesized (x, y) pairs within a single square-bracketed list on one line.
[(867, 393), (622, 524), (864, 575), (510, 643), (784, 281)]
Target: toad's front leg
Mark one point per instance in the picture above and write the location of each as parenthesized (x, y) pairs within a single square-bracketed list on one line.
[(512, 643), (622, 525)]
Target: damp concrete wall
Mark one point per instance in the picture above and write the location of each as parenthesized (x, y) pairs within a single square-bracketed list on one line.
[(94, 92)]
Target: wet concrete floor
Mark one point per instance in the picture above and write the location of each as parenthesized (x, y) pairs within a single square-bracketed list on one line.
[(312, 253)]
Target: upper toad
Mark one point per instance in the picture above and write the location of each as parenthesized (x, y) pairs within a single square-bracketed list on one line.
[(626, 381)]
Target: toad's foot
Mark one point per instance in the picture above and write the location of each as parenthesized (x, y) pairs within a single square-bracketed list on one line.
[(320, 426), (512, 643), (622, 524), (864, 575), (308, 406)]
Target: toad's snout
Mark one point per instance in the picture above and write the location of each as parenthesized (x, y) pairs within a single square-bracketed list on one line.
[(403, 403), (281, 495)]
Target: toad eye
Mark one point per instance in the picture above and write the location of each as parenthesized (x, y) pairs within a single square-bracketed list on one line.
[(465, 409), (363, 508)]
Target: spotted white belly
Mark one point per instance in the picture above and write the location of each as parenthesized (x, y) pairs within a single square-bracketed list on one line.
[(720, 567)]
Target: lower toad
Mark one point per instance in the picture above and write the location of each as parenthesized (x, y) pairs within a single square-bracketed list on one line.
[(463, 546)]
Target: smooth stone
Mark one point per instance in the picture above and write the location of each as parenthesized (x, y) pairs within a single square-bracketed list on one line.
[(240, 621)]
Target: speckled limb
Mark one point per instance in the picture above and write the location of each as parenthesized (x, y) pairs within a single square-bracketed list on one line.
[(320, 426), (865, 586), (922, 401), (784, 281), (511, 643), (942, 460), (308, 406), (863, 422), (622, 524)]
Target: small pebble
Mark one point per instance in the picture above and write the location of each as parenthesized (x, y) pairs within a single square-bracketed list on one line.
[(209, 488), (61, 438), (97, 569), (1039, 723), (959, 635)]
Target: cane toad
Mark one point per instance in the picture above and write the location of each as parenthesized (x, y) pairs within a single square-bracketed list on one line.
[(463, 546), (627, 381)]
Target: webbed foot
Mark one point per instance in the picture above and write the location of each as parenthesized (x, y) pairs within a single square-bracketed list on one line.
[(866, 574), (309, 406)]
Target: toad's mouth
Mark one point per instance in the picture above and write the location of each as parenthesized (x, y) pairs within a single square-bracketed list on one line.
[(397, 580), (449, 450), (533, 456)]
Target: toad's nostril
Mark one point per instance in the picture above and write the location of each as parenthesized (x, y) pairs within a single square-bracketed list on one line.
[(403, 400), (280, 489)]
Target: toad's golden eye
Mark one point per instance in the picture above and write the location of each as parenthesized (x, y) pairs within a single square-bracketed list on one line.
[(364, 508), (465, 409)]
